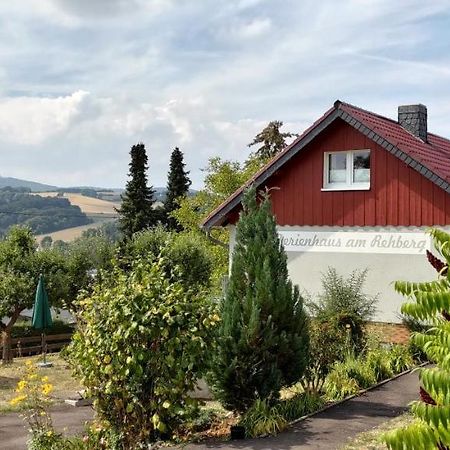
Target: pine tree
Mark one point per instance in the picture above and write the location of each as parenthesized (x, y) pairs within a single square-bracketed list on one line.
[(177, 186), (263, 333), (272, 140), (136, 212)]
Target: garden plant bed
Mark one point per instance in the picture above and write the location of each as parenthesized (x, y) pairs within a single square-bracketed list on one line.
[(358, 394)]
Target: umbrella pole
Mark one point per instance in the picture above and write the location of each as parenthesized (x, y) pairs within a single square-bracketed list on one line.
[(44, 350)]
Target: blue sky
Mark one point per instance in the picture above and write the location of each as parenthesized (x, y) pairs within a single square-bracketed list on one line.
[(83, 80)]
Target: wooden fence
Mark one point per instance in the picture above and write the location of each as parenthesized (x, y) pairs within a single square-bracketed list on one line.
[(27, 346)]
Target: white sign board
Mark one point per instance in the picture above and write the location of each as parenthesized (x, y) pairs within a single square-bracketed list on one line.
[(356, 242)]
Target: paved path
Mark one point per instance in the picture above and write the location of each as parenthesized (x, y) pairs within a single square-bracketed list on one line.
[(329, 430)]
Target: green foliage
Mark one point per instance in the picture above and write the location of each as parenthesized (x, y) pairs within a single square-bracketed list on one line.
[(328, 344), (177, 187), (263, 339), (267, 418), (187, 257), (141, 344), (272, 140), (41, 214), (136, 211), (344, 303), (263, 419), (339, 384), (375, 364), (108, 230), (300, 405), (23, 328), (429, 302)]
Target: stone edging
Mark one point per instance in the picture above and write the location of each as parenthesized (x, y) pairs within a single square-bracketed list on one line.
[(358, 394)]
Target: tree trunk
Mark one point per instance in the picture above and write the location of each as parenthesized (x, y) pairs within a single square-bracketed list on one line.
[(6, 341), (6, 336)]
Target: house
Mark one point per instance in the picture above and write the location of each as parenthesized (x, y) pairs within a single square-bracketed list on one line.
[(357, 190)]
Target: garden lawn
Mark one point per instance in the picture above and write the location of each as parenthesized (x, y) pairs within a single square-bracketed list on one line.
[(370, 440), (64, 386)]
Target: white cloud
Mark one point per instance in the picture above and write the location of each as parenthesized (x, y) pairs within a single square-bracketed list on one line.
[(32, 120), (206, 76)]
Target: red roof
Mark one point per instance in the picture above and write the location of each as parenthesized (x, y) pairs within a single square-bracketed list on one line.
[(431, 158), (434, 154)]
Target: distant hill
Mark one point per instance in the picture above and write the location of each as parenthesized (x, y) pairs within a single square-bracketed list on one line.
[(105, 193), (18, 183)]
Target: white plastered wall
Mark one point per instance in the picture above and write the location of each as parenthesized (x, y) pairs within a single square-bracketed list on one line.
[(305, 268)]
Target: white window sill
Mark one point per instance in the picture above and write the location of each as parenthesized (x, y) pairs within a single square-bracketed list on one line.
[(346, 188)]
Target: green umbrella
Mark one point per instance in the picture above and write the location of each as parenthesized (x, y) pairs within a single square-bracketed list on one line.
[(42, 316)]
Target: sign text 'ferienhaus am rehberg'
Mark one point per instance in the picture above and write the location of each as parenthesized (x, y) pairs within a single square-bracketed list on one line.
[(356, 242)]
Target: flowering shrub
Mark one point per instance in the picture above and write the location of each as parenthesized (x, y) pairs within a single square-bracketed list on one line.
[(33, 396)]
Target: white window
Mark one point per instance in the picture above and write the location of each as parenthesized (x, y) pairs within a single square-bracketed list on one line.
[(347, 170)]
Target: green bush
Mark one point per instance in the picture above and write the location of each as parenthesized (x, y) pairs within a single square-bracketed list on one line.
[(299, 405), (380, 362), (401, 358), (187, 257), (262, 419), (23, 328), (376, 364), (328, 344), (339, 385), (141, 344), (344, 304)]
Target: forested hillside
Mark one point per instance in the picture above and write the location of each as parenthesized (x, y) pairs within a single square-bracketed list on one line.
[(42, 214)]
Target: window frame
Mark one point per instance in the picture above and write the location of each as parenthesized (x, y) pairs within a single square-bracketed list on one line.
[(349, 184)]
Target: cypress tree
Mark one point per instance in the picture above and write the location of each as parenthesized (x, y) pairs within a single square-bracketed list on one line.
[(263, 335), (177, 186), (136, 212)]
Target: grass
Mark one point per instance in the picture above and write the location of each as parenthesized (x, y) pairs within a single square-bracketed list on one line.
[(69, 234), (88, 205), (64, 386), (370, 440)]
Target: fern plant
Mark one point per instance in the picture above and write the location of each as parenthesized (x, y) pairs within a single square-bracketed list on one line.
[(430, 302)]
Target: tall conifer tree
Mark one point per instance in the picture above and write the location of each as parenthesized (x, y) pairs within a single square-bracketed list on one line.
[(177, 186), (136, 212), (263, 333), (272, 140)]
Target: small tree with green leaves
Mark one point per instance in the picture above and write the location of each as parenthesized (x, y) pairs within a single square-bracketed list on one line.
[(136, 211), (142, 342), (177, 187), (263, 338), (429, 302)]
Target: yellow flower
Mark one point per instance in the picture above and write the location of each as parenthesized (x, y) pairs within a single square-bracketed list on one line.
[(47, 388), (44, 379), (49, 433), (21, 385), (17, 400), (29, 363)]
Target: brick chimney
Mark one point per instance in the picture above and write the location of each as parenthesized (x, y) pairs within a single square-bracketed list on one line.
[(414, 119)]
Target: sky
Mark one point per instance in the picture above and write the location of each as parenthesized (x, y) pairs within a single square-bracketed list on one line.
[(81, 81)]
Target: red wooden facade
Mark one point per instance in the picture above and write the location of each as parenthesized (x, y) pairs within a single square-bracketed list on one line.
[(398, 195)]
